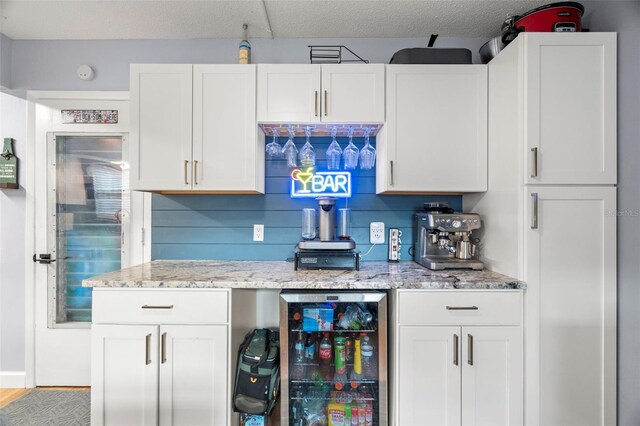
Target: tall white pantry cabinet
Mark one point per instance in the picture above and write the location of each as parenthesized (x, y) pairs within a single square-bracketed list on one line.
[(549, 216)]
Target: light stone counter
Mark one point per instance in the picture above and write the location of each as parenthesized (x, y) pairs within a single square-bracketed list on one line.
[(280, 274)]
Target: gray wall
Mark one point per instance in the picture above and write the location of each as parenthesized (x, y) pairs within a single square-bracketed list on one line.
[(5, 60), (624, 17), (12, 246), (52, 64)]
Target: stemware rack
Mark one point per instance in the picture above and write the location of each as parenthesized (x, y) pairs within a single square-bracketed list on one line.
[(321, 129)]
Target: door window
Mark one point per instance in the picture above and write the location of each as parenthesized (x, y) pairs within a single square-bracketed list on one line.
[(89, 204)]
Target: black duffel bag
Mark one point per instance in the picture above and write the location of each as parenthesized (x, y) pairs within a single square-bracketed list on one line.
[(257, 386)]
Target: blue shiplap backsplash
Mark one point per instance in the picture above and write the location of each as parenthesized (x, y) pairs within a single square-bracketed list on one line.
[(221, 226)]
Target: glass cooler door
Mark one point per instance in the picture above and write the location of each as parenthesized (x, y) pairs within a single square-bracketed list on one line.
[(333, 358)]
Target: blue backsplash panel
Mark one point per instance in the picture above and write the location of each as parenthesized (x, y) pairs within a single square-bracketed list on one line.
[(221, 226)]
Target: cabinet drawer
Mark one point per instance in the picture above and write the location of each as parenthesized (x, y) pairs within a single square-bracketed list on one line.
[(417, 307), (164, 306)]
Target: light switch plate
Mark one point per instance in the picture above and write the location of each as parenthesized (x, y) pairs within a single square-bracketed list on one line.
[(376, 232), (258, 232)]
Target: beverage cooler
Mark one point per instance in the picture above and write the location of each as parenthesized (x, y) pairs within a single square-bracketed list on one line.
[(333, 358)]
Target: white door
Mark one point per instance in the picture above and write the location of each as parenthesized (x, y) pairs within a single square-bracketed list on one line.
[(193, 375), (570, 270), (226, 152), (428, 376), (492, 376), (353, 93), (289, 93), (161, 115), (570, 108), (124, 386), (435, 137)]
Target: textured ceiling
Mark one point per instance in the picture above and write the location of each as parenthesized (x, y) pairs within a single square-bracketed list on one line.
[(192, 19)]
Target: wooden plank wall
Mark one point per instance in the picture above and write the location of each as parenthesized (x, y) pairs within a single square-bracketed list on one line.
[(221, 226)]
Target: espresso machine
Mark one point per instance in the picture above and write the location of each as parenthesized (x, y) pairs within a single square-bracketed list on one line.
[(321, 249), (443, 238)]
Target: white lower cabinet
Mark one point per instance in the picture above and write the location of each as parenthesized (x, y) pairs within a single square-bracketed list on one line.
[(492, 376), (166, 357), (193, 375), (124, 375), (469, 374), (428, 376), (167, 375)]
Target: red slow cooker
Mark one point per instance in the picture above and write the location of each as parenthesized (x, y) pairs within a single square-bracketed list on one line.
[(555, 17)]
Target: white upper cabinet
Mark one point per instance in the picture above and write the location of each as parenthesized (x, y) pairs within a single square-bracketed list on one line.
[(226, 152), (353, 93), (289, 93), (570, 107), (161, 102), (339, 93), (435, 136), (194, 129)]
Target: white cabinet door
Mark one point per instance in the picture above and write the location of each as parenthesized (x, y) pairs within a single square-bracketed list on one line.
[(161, 103), (435, 137), (193, 375), (570, 108), (289, 93), (428, 376), (353, 93), (226, 152), (124, 370), (492, 376), (570, 270)]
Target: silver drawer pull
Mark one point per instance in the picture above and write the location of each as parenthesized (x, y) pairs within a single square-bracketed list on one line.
[(462, 308), (157, 306), (147, 350)]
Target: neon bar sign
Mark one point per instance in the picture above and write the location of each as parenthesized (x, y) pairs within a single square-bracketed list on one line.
[(308, 183)]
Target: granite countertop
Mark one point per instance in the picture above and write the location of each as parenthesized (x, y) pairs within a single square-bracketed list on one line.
[(280, 274)]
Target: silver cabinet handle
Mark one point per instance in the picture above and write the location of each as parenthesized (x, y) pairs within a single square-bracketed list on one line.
[(462, 308), (147, 352), (315, 103), (195, 172), (470, 349), (534, 210), (186, 164), (163, 356), (534, 162), (391, 167), (326, 105), (156, 307), (455, 349)]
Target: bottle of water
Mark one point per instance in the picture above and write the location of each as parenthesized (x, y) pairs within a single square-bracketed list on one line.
[(298, 367), (368, 360)]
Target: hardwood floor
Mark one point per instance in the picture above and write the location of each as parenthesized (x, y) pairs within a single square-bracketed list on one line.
[(8, 395)]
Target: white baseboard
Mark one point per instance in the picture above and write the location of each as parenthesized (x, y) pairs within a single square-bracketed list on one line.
[(13, 379)]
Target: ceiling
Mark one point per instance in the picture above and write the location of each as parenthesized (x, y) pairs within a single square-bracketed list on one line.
[(206, 19)]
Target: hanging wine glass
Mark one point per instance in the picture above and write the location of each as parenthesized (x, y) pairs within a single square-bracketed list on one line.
[(289, 150), (334, 152), (307, 155), (351, 153), (367, 153), (273, 148)]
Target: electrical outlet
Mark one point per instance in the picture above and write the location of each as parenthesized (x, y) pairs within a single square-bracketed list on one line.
[(258, 232), (376, 232)]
